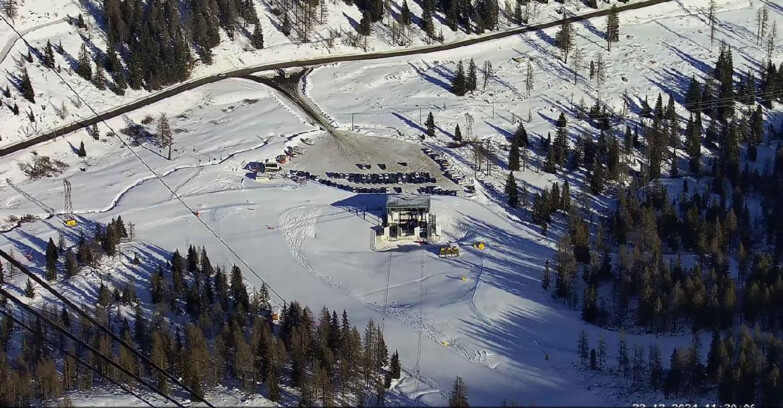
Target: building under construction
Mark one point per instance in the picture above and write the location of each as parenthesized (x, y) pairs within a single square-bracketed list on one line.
[(408, 217)]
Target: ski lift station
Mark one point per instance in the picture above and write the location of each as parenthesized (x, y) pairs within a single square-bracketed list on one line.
[(408, 217)]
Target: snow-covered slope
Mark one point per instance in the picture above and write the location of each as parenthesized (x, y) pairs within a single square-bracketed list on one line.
[(497, 329)]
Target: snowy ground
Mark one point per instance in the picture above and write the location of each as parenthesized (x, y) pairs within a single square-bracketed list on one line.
[(39, 24), (497, 329)]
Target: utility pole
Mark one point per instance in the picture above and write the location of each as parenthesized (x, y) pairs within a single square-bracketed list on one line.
[(352, 115), (419, 115)]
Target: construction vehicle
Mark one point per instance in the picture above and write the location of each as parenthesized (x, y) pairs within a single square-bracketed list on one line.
[(479, 245), (449, 251), (68, 218)]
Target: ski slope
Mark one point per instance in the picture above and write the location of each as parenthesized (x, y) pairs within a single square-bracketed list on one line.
[(497, 329)]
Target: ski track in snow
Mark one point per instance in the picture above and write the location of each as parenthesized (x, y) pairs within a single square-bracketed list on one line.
[(299, 223)]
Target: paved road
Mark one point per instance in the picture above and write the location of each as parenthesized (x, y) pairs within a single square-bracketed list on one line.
[(312, 62), (12, 41)]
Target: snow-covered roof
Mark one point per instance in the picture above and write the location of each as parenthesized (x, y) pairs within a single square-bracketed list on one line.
[(407, 202)]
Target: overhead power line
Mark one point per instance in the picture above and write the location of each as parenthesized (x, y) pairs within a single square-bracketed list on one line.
[(92, 320), (79, 360), (57, 327), (148, 167)]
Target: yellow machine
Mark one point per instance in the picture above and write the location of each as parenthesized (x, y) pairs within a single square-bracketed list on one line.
[(71, 223), (479, 245), (449, 251), (464, 278)]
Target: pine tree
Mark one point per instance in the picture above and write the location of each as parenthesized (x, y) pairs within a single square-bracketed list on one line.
[(583, 347), (513, 155), (27, 89), (165, 135), (655, 366), (430, 124), (459, 395), (49, 55), (520, 136), (100, 78), (602, 350), (365, 24), (395, 365), (458, 85), (623, 365), (673, 380), (457, 134), (693, 97), (512, 192), (405, 13), (84, 65), (564, 39), (545, 280), (29, 291), (51, 260), (71, 264), (81, 152), (693, 144), (471, 80), (612, 27), (258, 37)]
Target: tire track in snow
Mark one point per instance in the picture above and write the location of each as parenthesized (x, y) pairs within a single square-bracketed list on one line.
[(300, 222)]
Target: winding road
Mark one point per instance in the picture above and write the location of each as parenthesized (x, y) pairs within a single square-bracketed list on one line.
[(302, 63)]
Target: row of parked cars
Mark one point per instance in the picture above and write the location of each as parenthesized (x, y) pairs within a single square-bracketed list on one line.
[(437, 190), (384, 178), (444, 164)]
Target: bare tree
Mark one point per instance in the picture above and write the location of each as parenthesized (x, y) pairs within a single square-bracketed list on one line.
[(529, 76), (600, 70), (576, 61), (10, 9), (712, 21), (773, 33)]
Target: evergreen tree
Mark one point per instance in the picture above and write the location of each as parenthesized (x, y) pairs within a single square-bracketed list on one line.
[(71, 264), (405, 13), (673, 380), (520, 136), (51, 260), (513, 155), (583, 347), (81, 152), (84, 65), (258, 37), (365, 24), (612, 27), (471, 80), (430, 124), (457, 134), (693, 97), (545, 280), (511, 191), (100, 78), (459, 395), (29, 291), (458, 85), (564, 39), (395, 365), (693, 144), (26, 88), (48, 55), (656, 367)]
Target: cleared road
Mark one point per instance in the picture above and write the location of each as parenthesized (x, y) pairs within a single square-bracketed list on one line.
[(313, 62)]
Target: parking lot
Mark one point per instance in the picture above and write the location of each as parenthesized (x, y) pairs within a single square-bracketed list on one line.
[(368, 164)]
